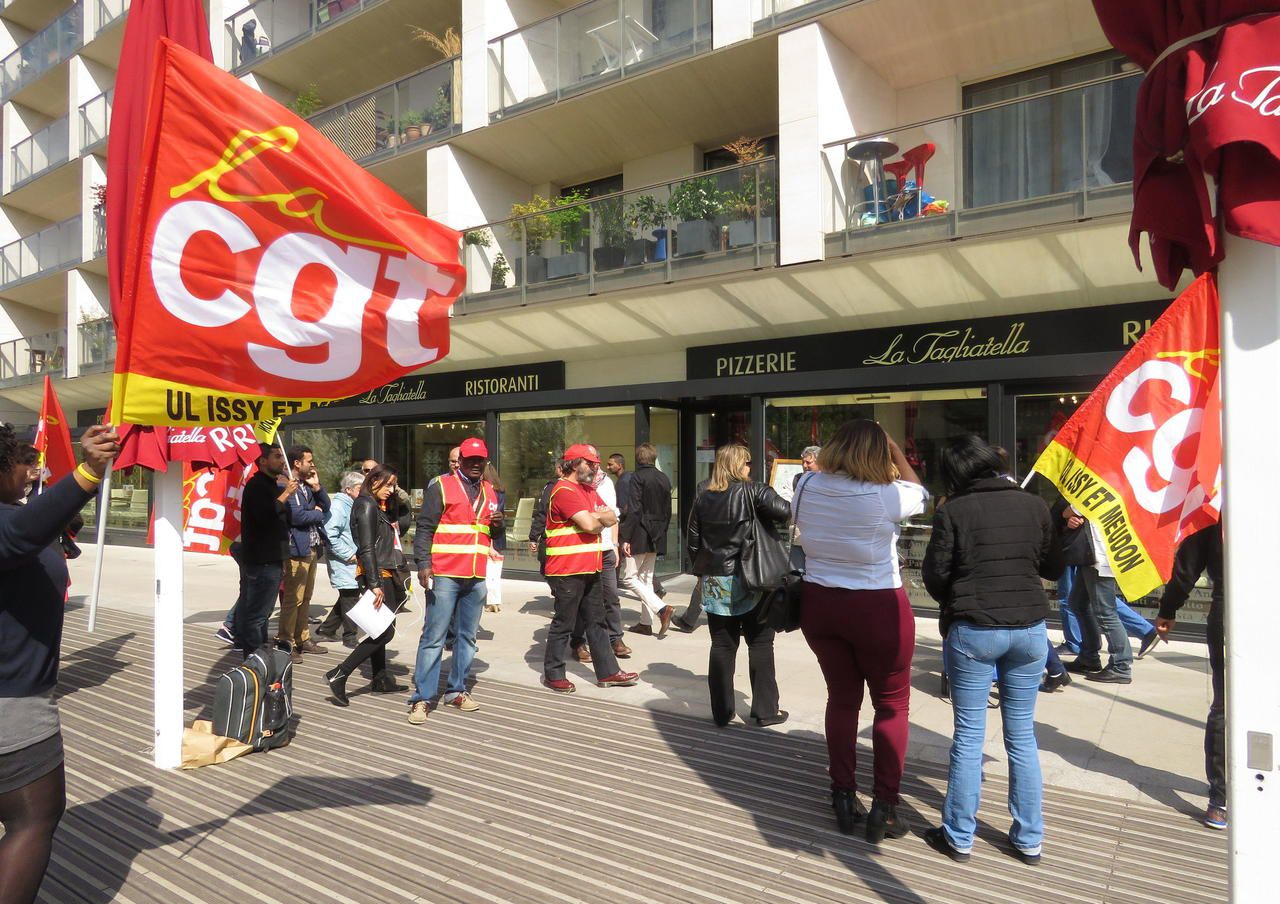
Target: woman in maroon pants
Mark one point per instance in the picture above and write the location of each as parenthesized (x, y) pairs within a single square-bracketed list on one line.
[(856, 616)]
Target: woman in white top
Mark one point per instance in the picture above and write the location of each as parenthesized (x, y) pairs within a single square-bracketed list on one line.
[(856, 617)]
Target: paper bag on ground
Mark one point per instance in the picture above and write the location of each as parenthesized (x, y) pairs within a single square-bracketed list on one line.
[(201, 747)]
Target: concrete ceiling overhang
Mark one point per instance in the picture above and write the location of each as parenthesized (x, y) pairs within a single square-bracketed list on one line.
[(46, 293), (90, 391), (34, 14), (54, 195)]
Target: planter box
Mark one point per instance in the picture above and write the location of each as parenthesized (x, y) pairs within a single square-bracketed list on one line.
[(572, 264), (697, 237), (608, 258), (640, 251), (743, 232), (537, 270)]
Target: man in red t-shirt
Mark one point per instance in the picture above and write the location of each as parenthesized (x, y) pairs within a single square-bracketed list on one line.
[(575, 517)]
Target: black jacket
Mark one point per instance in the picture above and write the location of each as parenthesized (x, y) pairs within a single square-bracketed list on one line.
[(1077, 545), (721, 522), (375, 534), (1201, 551), (264, 521), (647, 511), (990, 547)]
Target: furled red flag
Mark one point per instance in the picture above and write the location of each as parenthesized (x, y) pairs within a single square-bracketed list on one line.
[(1142, 457), (267, 272), (53, 439)]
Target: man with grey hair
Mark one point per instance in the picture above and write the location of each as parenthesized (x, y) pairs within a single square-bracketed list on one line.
[(341, 559)]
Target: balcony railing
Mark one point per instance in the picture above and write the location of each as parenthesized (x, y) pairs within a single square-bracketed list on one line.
[(110, 10), (773, 13), (1049, 158), (52, 247), (40, 152), (269, 26), (590, 45), (99, 232), (97, 345), (95, 120), (28, 359), (713, 223), (420, 108), (45, 49)]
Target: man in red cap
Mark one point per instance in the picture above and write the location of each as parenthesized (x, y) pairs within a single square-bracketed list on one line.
[(453, 543), (575, 518)]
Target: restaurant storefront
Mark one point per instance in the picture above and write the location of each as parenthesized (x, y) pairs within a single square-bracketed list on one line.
[(1013, 379)]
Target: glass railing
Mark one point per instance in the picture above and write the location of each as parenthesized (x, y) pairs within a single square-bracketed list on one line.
[(419, 108), (772, 13), (1048, 158), (110, 10), (269, 26), (95, 120), (589, 45), (97, 345), (52, 247), (716, 222), (99, 232), (30, 358), (45, 49), (38, 153)]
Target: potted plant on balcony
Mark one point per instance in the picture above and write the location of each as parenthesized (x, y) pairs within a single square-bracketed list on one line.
[(610, 216), (411, 125), (570, 226), (647, 216), (741, 205), (533, 231), (694, 204), (307, 101), (440, 116), (498, 275)]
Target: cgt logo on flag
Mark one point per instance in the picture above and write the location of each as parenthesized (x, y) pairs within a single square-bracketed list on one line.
[(273, 273)]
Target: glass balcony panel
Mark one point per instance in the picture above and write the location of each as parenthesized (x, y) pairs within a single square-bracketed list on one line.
[(269, 26), (772, 13), (42, 51), (52, 247), (99, 232), (97, 345), (41, 151), (527, 66), (31, 358), (95, 120), (109, 11)]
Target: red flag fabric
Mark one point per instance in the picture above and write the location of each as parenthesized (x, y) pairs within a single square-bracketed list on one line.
[(1208, 124), (1142, 457), (211, 507), (267, 271), (220, 447), (53, 438)]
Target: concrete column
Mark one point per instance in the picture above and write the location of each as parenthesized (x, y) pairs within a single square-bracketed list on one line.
[(475, 64)]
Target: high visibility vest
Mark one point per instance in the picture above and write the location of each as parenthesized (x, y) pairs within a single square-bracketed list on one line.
[(570, 550), (461, 543)]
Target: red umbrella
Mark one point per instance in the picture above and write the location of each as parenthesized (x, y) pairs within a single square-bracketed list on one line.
[(1208, 111), (155, 447)]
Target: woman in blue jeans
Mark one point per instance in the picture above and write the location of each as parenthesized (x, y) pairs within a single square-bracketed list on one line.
[(992, 544)]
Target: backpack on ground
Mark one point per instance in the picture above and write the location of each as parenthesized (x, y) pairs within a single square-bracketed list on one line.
[(253, 702)]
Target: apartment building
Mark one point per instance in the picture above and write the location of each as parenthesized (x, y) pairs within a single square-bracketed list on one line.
[(927, 224)]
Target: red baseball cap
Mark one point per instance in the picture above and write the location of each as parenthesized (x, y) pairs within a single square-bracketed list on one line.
[(582, 450), (473, 448)]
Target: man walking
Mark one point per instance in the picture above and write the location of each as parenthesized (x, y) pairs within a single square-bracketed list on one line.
[(608, 575), (264, 539), (308, 507), (1094, 600), (452, 545), (342, 561), (575, 518), (646, 516)]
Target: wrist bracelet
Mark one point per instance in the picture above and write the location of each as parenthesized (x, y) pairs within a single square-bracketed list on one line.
[(88, 475)]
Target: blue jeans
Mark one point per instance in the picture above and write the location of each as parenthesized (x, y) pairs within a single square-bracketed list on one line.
[(1018, 655), (946, 664), (1093, 597), (447, 595), (1134, 624), (261, 589)]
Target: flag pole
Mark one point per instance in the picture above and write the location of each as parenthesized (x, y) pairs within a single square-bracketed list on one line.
[(104, 497)]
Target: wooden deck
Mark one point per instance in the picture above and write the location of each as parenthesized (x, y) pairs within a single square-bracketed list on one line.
[(535, 798)]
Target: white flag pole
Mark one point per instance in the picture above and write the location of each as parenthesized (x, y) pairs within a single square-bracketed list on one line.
[(104, 503), (168, 621)]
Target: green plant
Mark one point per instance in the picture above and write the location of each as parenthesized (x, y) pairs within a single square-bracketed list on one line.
[(565, 223), (533, 230), (695, 199), (570, 222), (411, 119), (307, 101), (741, 203), (501, 270), (646, 213), (478, 237), (441, 113), (610, 217)]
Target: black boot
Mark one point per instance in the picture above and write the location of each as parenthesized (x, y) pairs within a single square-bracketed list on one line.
[(385, 684), (337, 686), (883, 820), (849, 810)]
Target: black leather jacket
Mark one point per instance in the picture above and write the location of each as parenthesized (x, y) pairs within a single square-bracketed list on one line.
[(721, 522), (375, 534)]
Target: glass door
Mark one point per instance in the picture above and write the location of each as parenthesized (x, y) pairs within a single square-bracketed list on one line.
[(664, 433)]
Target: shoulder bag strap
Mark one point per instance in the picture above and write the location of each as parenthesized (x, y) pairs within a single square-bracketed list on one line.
[(795, 519)]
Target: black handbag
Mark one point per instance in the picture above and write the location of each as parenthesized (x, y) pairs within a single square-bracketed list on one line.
[(762, 564), (780, 608)]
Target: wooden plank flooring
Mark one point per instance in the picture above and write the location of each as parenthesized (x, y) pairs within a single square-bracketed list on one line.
[(535, 798)]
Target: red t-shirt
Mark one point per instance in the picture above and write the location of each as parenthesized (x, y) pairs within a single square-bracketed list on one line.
[(565, 503)]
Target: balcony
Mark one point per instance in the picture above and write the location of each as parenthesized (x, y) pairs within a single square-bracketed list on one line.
[(718, 222), (45, 49), (35, 155), (409, 113), (591, 45), (109, 11), (269, 26), (99, 232), (49, 249), (95, 121), (1047, 159), (97, 345), (30, 358), (771, 14)]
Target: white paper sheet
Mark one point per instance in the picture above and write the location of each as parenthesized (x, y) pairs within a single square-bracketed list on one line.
[(370, 620)]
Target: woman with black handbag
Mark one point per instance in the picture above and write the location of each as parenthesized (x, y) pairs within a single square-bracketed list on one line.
[(855, 614), (734, 548)]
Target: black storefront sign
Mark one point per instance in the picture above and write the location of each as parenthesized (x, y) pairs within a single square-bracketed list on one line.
[(1112, 328), (465, 384)]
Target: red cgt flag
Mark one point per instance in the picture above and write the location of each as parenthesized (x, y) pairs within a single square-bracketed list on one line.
[(53, 438), (266, 271), (1142, 457)]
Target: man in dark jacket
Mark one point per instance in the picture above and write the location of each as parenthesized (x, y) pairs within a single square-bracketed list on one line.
[(308, 507), (1201, 552), (646, 515), (264, 540)]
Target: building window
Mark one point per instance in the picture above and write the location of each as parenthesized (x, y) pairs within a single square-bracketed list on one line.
[(421, 451), (720, 157), (595, 188), (1078, 140), (335, 450)]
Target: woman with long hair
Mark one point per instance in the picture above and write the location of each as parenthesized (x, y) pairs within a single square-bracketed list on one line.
[(719, 527), (991, 545), (493, 574), (856, 616), (379, 568)]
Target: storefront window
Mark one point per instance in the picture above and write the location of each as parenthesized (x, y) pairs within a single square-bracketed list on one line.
[(130, 505), (336, 450), (664, 432), (531, 443), (421, 451)]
